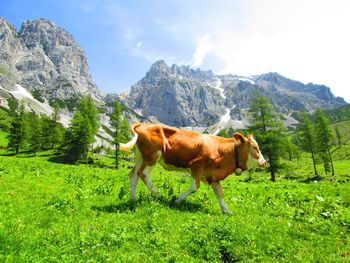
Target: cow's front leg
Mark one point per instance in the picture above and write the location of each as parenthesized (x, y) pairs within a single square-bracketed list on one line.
[(193, 188), (220, 195)]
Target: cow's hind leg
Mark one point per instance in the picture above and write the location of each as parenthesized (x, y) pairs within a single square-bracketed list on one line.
[(220, 195), (145, 176), (134, 177)]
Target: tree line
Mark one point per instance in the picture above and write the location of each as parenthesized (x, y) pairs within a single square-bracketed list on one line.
[(33, 133), (313, 135)]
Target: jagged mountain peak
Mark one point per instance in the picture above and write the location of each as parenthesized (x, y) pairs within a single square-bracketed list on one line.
[(276, 78), (6, 26), (44, 58), (158, 69), (183, 96), (42, 33), (177, 95), (161, 69)]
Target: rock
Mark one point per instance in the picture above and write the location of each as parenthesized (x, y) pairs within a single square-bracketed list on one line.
[(42, 56)]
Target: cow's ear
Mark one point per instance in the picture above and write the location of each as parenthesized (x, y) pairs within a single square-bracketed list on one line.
[(239, 137)]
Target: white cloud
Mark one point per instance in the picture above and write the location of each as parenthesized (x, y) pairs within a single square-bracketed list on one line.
[(139, 44), (303, 40), (204, 47)]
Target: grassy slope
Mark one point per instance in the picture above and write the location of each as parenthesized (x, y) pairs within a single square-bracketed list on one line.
[(344, 129), (75, 213)]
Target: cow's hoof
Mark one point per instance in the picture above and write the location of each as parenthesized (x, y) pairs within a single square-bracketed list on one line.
[(227, 212), (154, 192), (178, 201)]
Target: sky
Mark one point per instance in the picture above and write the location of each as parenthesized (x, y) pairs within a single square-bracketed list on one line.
[(305, 40)]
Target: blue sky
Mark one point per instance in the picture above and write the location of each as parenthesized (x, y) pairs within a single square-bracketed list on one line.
[(304, 40)]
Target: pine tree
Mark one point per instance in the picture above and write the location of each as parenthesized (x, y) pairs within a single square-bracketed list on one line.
[(307, 138), (116, 123), (339, 137), (35, 140), (124, 131), (89, 111), (324, 140), (56, 127), (46, 132), (77, 139), (291, 148), (16, 135), (268, 130), (81, 132)]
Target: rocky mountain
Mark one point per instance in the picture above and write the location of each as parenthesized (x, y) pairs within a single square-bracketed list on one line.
[(181, 96), (45, 60), (177, 96), (42, 63)]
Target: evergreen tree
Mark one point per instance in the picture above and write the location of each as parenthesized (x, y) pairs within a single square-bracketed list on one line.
[(56, 127), (81, 132), (324, 140), (337, 133), (16, 135), (291, 148), (89, 111), (268, 130), (307, 138), (77, 139), (116, 124), (124, 130), (35, 140), (46, 132)]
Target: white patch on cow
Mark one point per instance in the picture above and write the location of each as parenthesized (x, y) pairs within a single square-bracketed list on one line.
[(126, 147), (134, 177), (218, 192), (190, 190), (261, 161), (147, 173)]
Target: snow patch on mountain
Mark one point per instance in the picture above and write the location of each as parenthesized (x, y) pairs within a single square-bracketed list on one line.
[(218, 86)]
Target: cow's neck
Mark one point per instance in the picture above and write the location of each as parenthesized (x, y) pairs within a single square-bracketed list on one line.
[(241, 157), (236, 156)]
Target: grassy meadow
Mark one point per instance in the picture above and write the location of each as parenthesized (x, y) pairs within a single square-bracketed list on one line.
[(54, 212)]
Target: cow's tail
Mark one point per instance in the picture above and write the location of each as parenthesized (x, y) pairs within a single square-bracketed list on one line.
[(126, 147)]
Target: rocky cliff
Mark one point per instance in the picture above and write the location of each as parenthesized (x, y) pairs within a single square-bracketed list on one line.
[(177, 96), (45, 60), (181, 96)]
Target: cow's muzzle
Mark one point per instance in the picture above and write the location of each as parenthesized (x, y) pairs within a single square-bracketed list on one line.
[(262, 162)]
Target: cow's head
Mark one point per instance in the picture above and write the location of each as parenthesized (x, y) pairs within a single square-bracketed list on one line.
[(252, 146)]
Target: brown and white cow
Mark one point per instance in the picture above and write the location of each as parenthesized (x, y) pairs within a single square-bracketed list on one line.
[(206, 157)]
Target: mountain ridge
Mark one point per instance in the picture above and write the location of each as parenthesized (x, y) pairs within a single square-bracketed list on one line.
[(45, 60), (180, 87)]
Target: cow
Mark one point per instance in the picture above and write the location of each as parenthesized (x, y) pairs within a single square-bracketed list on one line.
[(208, 158)]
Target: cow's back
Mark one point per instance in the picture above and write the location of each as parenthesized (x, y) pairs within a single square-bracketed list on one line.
[(183, 147)]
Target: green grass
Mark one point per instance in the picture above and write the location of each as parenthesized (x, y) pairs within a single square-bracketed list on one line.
[(52, 212)]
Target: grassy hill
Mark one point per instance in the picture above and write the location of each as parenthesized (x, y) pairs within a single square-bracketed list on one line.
[(344, 129), (339, 114), (52, 212)]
